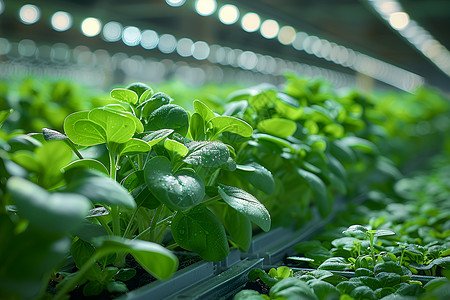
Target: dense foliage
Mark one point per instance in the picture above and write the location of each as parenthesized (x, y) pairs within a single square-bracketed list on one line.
[(403, 250), (87, 178)]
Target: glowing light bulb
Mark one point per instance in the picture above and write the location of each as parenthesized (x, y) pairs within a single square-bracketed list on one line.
[(250, 22), (29, 14), (205, 7), (112, 31), (228, 14), (399, 20), (269, 29), (61, 21), (175, 3), (91, 27), (286, 35)]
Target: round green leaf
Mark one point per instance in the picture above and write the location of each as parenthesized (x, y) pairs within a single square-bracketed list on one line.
[(88, 163), (124, 95), (179, 191), (198, 230), (335, 264), (207, 154), (169, 116), (258, 176), (145, 95), (246, 204), (58, 212), (134, 146), (139, 88), (278, 127), (82, 131), (197, 127), (292, 288), (175, 147), (319, 189), (118, 126), (239, 228), (203, 110), (230, 124), (155, 137), (98, 188), (154, 258), (156, 101)]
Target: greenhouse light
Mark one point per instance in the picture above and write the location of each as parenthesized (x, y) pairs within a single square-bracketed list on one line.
[(149, 39), (175, 3), (205, 7), (269, 29), (399, 20), (298, 40), (286, 35), (228, 14), (392, 12), (184, 47), (250, 22), (131, 36), (112, 31), (29, 14), (167, 43), (248, 60), (200, 50), (61, 21), (91, 27)]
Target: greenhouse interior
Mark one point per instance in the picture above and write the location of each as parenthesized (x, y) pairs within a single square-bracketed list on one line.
[(225, 149)]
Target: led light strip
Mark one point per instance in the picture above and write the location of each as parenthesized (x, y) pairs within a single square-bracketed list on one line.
[(185, 47), (200, 50), (392, 12), (302, 41)]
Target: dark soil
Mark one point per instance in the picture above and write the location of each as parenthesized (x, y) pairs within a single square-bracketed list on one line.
[(257, 285)]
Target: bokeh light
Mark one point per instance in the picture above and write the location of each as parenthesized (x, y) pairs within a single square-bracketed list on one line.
[(91, 27), (228, 14), (250, 22), (286, 35), (175, 3), (399, 20), (29, 14), (112, 31), (61, 21), (149, 39), (131, 36), (269, 29), (205, 7)]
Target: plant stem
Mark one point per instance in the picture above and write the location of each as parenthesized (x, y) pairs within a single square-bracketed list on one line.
[(103, 223), (131, 163), (171, 246), (401, 257), (160, 233), (69, 286), (115, 215), (155, 219), (213, 177), (372, 251), (127, 230), (74, 149), (151, 227), (210, 200)]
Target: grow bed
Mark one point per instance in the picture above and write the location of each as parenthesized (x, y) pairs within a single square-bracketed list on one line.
[(373, 263)]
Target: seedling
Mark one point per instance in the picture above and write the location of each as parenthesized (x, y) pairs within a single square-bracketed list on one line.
[(369, 234)]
